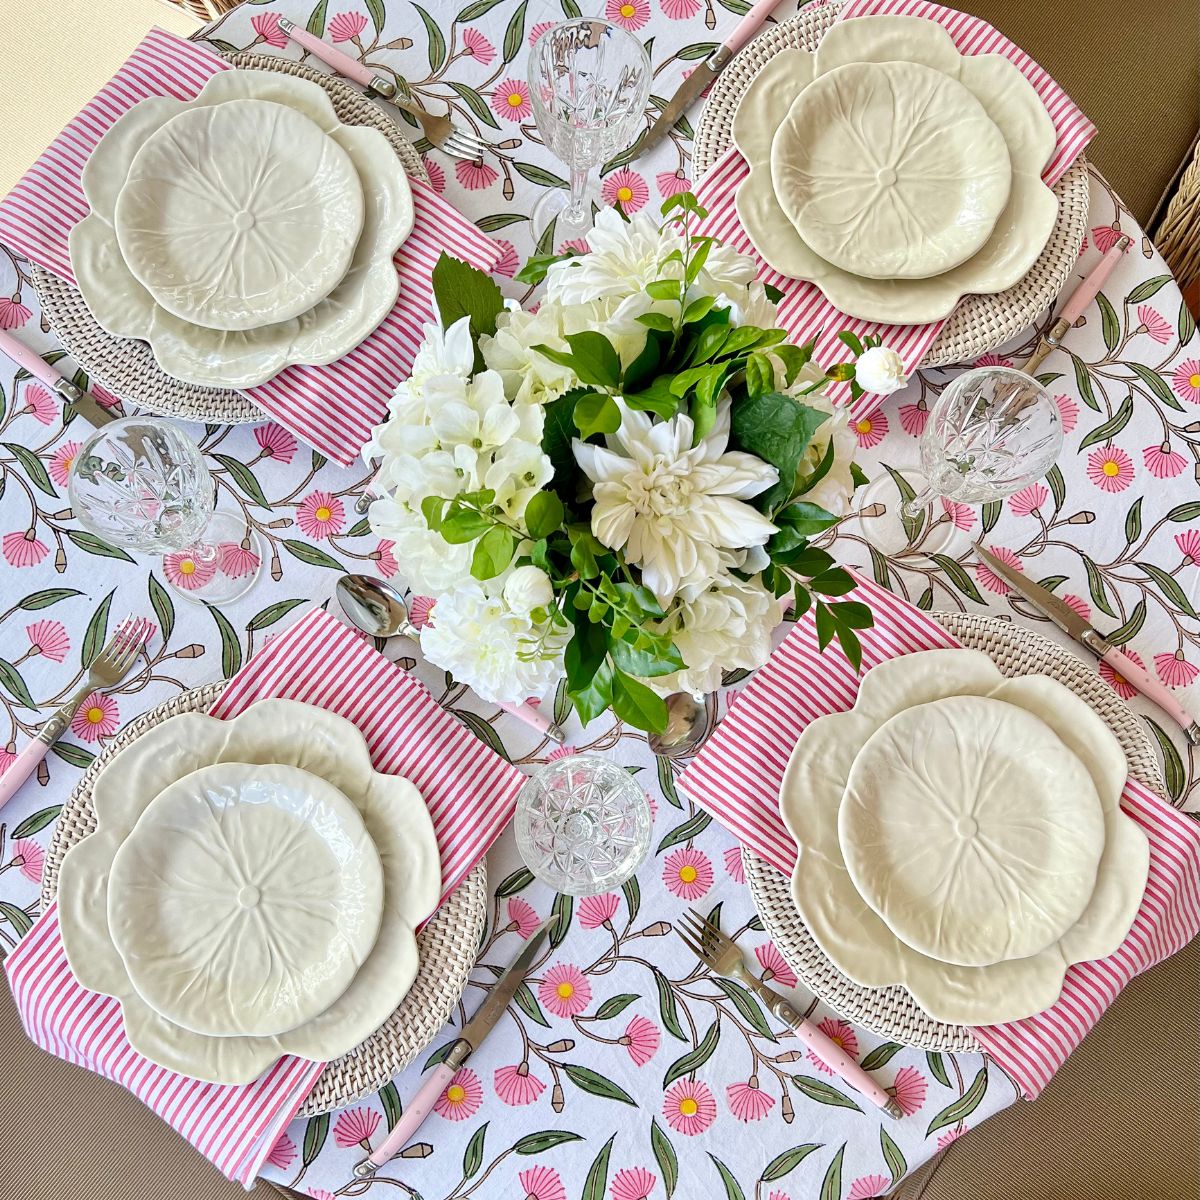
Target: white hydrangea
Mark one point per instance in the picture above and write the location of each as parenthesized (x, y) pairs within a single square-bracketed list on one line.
[(427, 561), (501, 654), (529, 377)]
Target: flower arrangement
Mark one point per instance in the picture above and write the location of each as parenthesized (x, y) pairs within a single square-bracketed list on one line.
[(621, 486)]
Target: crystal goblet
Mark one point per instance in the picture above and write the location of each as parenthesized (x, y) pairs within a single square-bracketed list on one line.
[(143, 485)]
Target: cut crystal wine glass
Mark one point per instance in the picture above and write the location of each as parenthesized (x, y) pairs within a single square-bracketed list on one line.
[(588, 83), (582, 824), (143, 485)]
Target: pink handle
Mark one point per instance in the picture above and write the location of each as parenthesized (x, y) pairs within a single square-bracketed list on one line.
[(21, 768), (342, 63), (749, 25), (535, 718), (1149, 687), (1085, 293), (417, 1109), (33, 362), (834, 1057)]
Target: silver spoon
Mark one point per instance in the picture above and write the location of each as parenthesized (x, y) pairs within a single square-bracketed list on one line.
[(378, 609), (687, 724)]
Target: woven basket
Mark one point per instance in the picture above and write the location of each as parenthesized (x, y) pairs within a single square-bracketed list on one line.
[(447, 945), (891, 1011), (126, 366), (1178, 234), (978, 323)]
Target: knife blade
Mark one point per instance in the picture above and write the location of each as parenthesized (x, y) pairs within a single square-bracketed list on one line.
[(1075, 627), (468, 1041), (85, 404), (702, 75)]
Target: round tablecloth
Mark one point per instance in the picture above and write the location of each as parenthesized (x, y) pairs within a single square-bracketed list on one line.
[(621, 1071)]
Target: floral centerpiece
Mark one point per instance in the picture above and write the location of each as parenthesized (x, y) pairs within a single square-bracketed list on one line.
[(620, 487)]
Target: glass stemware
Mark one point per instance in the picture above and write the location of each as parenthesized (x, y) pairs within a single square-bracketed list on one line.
[(582, 824), (588, 83), (143, 485)]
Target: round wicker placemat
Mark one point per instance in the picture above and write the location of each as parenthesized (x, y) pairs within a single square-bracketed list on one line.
[(891, 1011), (447, 945), (126, 366), (978, 323)]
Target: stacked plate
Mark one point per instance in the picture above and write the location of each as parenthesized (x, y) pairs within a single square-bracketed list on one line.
[(892, 171), (961, 834), (252, 889), (241, 232)]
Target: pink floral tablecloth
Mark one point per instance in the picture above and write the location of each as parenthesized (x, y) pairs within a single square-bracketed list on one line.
[(621, 1071)]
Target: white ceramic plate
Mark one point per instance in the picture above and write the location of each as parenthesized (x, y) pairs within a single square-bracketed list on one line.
[(245, 899), (272, 731), (1006, 96), (890, 170), (971, 830), (239, 215), (232, 358), (852, 935)]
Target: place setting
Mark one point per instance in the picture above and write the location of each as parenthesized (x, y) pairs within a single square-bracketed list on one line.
[(571, 776)]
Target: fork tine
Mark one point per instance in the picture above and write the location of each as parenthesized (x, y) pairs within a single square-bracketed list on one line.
[(466, 141), (448, 148), (694, 947)]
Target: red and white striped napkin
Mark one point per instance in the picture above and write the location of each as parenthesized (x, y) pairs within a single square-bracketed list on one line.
[(804, 309), (332, 408), (470, 790), (737, 777)]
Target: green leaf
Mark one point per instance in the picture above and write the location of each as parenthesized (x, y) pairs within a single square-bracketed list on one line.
[(461, 290), (1111, 427), (666, 781), (437, 51), (482, 730), (33, 467), (464, 526), (1174, 774), (667, 1008), (315, 1133), (596, 413), (1058, 487), (1083, 381), (823, 1093), (1097, 587), (692, 827), (615, 1005), (543, 514), (831, 1185), (493, 552), (475, 102), (957, 576), (882, 1054), (694, 1059), (244, 478), (526, 1001), (18, 918), (1156, 384), (474, 11), (546, 1139), (592, 357), (733, 1189), (596, 1183), (1188, 511), (802, 519), (514, 33), (596, 1084), (647, 664), (164, 607), (1124, 634), (746, 1004), (633, 896), (937, 1067), (77, 756), (498, 221), (1110, 324), (311, 555), (785, 1163), (231, 647), (897, 1165), (593, 698), (1186, 324), (778, 429), (991, 514), (562, 910), (273, 612), (473, 1154), (1169, 588), (637, 705), (518, 881), (1147, 288), (1133, 522), (664, 1155), (539, 175), (912, 525), (10, 679), (961, 1108), (585, 653), (35, 822), (393, 1110), (91, 544), (97, 632), (47, 597)]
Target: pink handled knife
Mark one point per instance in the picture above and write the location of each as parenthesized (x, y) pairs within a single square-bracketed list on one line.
[(1074, 626), (85, 403), (343, 64), (480, 1025), (702, 75)]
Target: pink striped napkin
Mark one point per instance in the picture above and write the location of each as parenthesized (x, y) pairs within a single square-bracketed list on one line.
[(332, 408), (804, 309), (737, 777), (470, 791)]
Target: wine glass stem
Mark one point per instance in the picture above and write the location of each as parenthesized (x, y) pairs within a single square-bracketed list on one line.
[(920, 502), (576, 212)]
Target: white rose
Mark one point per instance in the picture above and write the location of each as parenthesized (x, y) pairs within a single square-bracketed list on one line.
[(528, 588), (880, 370)]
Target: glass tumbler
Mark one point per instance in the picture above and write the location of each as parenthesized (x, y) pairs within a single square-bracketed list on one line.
[(588, 84), (143, 485), (582, 824)]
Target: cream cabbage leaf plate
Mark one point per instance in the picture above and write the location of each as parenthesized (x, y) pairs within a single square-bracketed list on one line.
[(271, 731), (1010, 102), (240, 214), (243, 358), (971, 830), (245, 899), (849, 931)]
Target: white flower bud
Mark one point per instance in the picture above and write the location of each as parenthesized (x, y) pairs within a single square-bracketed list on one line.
[(880, 370), (528, 588)]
